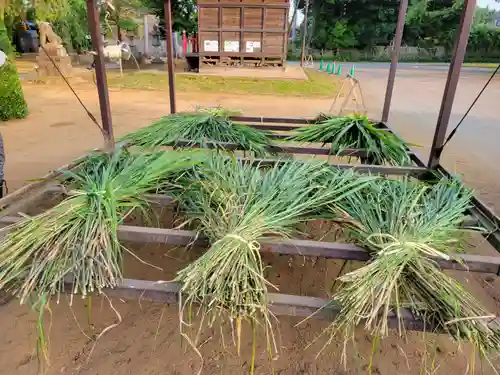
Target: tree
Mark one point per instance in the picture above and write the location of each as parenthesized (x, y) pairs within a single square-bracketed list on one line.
[(121, 14), (72, 27), (431, 23), (184, 14), (483, 16), (12, 103), (361, 23)]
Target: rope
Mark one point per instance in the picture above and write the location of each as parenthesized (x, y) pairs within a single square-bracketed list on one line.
[(89, 114), (468, 110)]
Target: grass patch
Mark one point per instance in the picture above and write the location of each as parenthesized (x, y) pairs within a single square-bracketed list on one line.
[(317, 85), (481, 65)]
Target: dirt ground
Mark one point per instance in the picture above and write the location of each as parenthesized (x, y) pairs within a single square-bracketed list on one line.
[(147, 341)]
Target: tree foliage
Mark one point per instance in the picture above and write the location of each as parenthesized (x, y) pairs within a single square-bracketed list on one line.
[(361, 24), (73, 27), (184, 14), (12, 103), (121, 14)]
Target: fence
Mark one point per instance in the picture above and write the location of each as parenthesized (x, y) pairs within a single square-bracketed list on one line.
[(408, 53)]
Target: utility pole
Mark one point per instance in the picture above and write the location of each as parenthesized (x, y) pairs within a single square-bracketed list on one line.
[(304, 32)]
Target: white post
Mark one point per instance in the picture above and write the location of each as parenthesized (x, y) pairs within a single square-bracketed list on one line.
[(146, 36)]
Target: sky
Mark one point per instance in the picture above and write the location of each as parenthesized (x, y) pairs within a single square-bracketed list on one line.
[(489, 3)]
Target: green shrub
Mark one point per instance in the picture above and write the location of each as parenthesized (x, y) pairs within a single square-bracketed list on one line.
[(12, 104)]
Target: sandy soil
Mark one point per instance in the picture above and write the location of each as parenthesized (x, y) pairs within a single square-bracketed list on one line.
[(147, 342)]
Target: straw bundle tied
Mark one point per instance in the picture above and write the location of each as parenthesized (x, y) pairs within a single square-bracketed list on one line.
[(356, 132), (236, 205), (404, 224), (197, 129), (77, 239)]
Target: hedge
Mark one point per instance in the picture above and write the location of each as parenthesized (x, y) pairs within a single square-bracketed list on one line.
[(12, 103)]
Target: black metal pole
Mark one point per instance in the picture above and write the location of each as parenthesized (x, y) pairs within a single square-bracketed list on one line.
[(170, 54), (304, 34), (452, 82), (403, 7), (100, 72)]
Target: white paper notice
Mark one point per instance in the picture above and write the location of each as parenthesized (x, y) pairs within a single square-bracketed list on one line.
[(231, 46), (252, 46), (211, 46)]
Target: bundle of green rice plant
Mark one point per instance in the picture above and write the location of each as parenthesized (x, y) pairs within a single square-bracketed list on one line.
[(76, 241), (199, 128), (407, 226), (356, 132), (237, 204)]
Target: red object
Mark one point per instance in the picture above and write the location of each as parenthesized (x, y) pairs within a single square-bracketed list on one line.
[(184, 42)]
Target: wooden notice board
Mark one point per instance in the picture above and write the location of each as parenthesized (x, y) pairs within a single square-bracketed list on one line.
[(241, 32)]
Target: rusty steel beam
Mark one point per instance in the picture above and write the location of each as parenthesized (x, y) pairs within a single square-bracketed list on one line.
[(170, 54), (279, 304), (330, 250), (452, 82), (272, 120), (100, 73), (361, 168), (277, 148), (403, 7)]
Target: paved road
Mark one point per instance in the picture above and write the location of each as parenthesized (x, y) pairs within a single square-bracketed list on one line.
[(475, 149)]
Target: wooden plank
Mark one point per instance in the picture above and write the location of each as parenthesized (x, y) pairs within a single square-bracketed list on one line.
[(330, 250), (20, 199), (24, 196), (244, 29), (238, 54), (222, 4)]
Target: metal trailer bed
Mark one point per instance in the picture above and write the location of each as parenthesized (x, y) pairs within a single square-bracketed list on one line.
[(280, 304)]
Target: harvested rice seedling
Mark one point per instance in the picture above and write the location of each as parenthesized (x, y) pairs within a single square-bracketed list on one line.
[(407, 226), (236, 204), (76, 241), (356, 132), (198, 128)]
